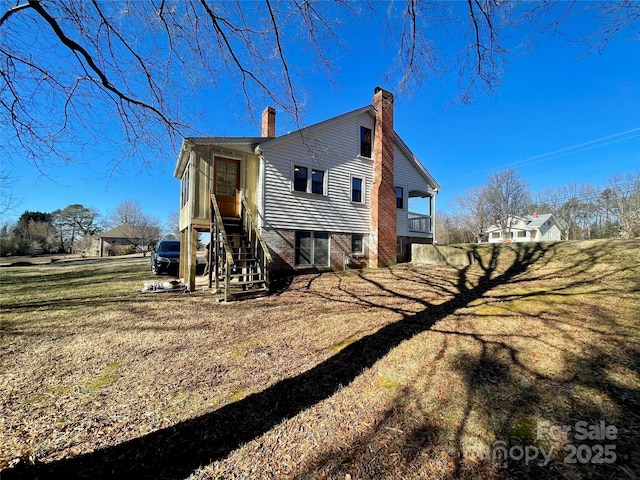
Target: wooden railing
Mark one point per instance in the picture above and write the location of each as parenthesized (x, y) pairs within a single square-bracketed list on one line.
[(259, 248), (219, 250), (221, 260)]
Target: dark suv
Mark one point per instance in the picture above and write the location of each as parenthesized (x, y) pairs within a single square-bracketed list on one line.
[(165, 257)]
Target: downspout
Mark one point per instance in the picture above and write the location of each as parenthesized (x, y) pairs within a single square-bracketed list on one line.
[(433, 215)]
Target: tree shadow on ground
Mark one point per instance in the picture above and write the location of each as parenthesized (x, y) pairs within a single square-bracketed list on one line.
[(177, 451)]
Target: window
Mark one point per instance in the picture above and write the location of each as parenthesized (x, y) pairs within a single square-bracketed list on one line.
[(495, 235), (399, 197), (184, 186), (365, 142), (317, 182), (302, 182), (522, 234), (300, 179), (357, 243), (356, 190), (399, 246), (312, 249)]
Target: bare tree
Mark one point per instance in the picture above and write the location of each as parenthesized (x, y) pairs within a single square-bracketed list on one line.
[(473, 209), (143, 231), (452, 229), (128, 211), (72, 72), (624, 203), (507, 195)]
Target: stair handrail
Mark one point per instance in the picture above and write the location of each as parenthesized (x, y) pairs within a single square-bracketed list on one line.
[(225, 246), (253, 227)]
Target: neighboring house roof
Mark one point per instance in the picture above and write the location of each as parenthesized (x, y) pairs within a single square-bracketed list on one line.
[(257, 144), (530, 222), (539, 221)]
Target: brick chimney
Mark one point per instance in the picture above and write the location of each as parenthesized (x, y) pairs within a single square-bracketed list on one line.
[(383, 195), (535, 215), (269, 122)]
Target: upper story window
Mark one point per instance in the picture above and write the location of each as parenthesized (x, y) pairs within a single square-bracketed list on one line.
[(303, 182), (317, 182), (356, 190), (184, 186), (365, 142), (399, 197), (300, 179)]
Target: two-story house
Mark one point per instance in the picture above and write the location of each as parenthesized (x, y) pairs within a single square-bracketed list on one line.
[(530, 228), (334, 193)]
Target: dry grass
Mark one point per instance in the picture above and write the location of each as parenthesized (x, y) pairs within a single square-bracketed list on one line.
[(394, 373)]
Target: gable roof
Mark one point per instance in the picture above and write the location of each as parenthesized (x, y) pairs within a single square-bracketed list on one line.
[(316, 126), (366, 109), (257, 144), (539, 220), (243, 144), (531, 222)]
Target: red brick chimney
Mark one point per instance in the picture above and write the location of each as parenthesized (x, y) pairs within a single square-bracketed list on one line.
[(535, 214), (383, 195), (269, 122)]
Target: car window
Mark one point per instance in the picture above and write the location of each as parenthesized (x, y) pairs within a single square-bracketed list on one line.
[(169, 247)]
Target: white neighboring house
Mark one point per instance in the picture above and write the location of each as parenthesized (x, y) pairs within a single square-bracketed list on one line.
[(531, 228)]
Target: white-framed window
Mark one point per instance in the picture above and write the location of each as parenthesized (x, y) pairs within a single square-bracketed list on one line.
[(522, 233), (300, 178), (309, 180), (357, 244), (357, 190), (399, 249), (366, 142), (312, 249), (184, 186), (495, 234)]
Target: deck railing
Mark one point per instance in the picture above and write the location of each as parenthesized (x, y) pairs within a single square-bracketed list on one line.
[(419, 223)]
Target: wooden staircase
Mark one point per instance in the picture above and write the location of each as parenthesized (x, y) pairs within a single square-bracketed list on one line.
[(240, 261)]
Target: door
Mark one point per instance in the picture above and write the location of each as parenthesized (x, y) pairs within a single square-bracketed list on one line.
[(226, 183)]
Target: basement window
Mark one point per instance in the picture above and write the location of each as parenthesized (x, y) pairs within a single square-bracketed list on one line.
[(312, 249), (357, 244)]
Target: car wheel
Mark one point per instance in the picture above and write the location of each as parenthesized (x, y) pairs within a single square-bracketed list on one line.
[(154, 269)]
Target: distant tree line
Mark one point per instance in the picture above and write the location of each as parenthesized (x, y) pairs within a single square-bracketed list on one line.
[(583, 212), (72, 229)]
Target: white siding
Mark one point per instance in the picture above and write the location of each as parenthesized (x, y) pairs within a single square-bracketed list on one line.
[(333, 148), (407, 176)]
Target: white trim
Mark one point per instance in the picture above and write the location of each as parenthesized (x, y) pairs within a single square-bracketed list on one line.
[(363, 189), (310, 170)]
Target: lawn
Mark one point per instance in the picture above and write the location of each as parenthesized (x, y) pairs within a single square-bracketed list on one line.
[(406, 372)]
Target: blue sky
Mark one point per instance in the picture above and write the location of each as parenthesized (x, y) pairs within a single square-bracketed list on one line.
[(558, 117)]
